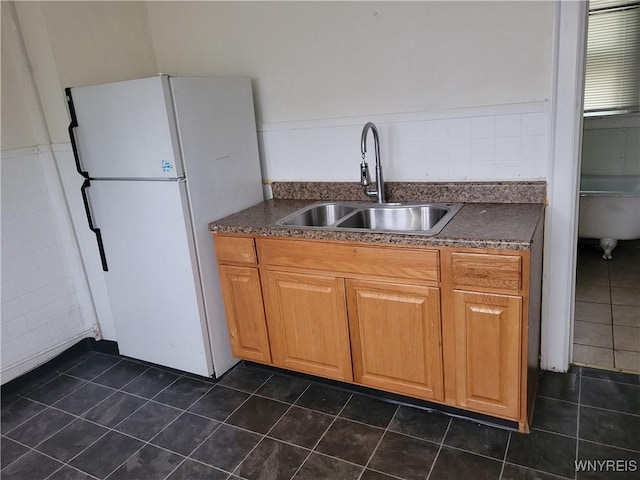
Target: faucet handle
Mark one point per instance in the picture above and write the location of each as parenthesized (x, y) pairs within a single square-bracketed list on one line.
[(364, 174)]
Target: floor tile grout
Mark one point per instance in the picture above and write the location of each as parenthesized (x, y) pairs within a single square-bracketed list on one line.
[(379, 441), (322, 436), (504, 457)]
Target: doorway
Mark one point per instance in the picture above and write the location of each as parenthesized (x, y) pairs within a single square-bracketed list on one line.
[(607, 292)]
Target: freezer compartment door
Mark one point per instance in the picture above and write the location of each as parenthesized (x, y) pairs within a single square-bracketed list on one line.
[(153, 282), (127, 129)]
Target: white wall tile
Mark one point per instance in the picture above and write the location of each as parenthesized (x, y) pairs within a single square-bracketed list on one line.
[(17, 327), (533, 124), (25, 284), (22, 346), (11, 310), (459, 128), (425, 146), (437, 130), (482, 150), (507, 149), (533, 148), (9, 290), (37, 266), (8, 357), (459, 150), (507, 126), (483, 127)]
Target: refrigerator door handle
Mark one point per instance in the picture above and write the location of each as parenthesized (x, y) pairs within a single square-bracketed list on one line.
[(72, 125), (85, 199)]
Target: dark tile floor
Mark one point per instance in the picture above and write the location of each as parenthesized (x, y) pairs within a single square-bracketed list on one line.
[(102, 416)]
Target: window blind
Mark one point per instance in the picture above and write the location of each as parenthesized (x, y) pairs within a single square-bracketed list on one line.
[(612, 83)]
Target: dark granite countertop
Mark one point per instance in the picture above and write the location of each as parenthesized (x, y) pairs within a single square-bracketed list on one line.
[(476, 225)]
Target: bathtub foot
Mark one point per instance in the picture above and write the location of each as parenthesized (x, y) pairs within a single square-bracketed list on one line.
[(607, 244)]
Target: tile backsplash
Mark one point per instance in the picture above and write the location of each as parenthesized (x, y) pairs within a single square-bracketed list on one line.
[(505, 142)]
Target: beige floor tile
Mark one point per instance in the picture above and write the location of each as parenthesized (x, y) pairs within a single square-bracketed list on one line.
[(592, 293), (593, 312), (590, 276), (592, 334), (625, 296), (627, 360), (602, 357), (626, 315), (626, 338), (625, 278)]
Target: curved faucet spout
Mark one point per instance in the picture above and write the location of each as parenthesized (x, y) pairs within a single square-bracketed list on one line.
[(364, 180)]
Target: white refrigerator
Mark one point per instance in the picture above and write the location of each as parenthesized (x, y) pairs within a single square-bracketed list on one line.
[(161, 157)]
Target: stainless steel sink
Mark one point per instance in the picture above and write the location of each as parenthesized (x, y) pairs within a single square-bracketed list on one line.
[(403, 219), (414, 219), (318, 215)]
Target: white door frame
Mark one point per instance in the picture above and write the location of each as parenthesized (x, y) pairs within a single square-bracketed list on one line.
[(561, 223)]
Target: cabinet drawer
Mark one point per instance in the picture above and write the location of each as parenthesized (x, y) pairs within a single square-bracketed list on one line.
[(344, 258), (230, 249), (485, 270)]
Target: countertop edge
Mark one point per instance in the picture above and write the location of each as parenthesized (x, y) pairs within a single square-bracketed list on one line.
[(257, 220)]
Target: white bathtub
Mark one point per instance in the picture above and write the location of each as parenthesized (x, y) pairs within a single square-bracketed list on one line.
[(609, 209)]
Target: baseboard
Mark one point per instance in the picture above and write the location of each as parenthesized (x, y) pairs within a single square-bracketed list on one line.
[(85, 345)]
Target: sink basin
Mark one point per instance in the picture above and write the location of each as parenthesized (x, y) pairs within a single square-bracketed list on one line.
[(318, 215), (400, 219), (410, 219)]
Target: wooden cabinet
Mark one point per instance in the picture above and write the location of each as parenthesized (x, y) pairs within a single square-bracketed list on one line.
[(245, 314), (308, 323), (242, 293), (395, 337), (458, 326), (488, 352)]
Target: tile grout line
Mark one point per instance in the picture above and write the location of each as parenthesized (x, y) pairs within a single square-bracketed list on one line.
[(379, 442), (73, 468), (575, 474), (185, 410), (147, 442), (313, 449), (504, 457), (613, 344), (109, 429), (439, 449), (223, 422), (266, 434)]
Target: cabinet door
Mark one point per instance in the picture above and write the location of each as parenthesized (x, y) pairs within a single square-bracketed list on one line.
[(245, 313), (395, 337), (487, 333), (308, 324)]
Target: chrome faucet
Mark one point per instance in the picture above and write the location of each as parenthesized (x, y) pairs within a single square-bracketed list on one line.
[(364, 168)]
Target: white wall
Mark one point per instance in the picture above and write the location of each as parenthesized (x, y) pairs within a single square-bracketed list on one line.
[(458, 90), (611, 145), (319, 60)]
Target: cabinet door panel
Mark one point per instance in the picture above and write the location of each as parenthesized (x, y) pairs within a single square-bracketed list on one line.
[(395, 332), (308, 324), (487, 335), (245, 313)]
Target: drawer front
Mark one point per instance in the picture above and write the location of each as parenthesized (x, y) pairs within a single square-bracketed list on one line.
[(344, 258), (486, 270), (231, 249)]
